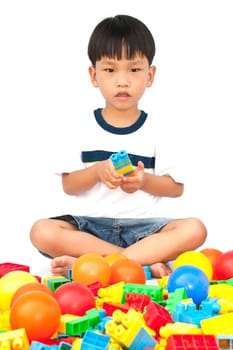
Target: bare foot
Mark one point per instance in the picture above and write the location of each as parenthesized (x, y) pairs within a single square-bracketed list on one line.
[(61, 264), (159, 270)]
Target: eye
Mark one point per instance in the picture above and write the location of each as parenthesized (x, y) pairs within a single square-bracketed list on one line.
[(109, 70), (134, 70)]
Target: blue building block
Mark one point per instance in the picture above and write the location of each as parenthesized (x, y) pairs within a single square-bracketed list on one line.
[(147, 272), (64, 346), (188, 313), (122, 163), (36, 345), (95, 341), (101, 325), (142, 340)]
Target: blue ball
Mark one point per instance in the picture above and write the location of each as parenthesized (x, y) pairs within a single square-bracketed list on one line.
[(192, 279)]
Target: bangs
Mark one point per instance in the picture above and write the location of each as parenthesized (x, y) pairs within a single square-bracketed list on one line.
[(117, 48)]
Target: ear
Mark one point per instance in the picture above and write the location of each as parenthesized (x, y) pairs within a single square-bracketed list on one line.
[(92, 73), (151, 75)]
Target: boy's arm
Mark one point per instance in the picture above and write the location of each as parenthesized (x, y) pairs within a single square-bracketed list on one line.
[(79, 181), (157, 185), (161, 185), (83, 180)]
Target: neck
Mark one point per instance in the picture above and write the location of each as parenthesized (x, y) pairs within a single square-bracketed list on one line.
[(120, 118)]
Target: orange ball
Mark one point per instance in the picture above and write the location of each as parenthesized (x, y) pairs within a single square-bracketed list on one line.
[(128, 271), (29, 287), (38, 312), (111, 258), (90, 268), (212, 254)]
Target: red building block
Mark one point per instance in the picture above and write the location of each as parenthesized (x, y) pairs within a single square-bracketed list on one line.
[(137, 301), (191, 342), (8, 267), (156, 316)]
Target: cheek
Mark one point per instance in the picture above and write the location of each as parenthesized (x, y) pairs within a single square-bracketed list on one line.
[(105, 87)]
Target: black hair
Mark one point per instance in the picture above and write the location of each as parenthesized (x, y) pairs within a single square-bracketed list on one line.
[(113, 34)]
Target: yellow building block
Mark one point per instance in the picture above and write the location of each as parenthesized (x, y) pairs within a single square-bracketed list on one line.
[(222, 324), (178, 328), (222, 290), (63, 320), (15, 339)]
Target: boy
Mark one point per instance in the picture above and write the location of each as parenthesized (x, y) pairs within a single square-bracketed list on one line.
[(117, 213)]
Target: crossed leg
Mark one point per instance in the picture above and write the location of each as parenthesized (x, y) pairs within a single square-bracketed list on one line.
[(60, 240)]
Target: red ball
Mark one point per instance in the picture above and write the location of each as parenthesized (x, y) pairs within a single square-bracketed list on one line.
[(128, 271), (38, 312), (74, 298), (224, 266)]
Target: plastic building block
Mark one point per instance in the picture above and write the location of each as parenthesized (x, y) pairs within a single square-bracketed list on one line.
[(36, 345), (191, 342), (188, 313), (163, 281), (137, 301), (128, 330), (94, 287), (222, 324), (111, 294), (95, 341), (101, 325), (141, 340), (54, 283), (46, 280), (147, 272), (154, 292), (78, 326), (64, 346), (223, 290), (69, 276), (111, 307), (15, 339), (8, 267), (213, 307), (175, 297), (129, 334), (76, 344), (225, 342), (94, 316), (122, 163), (63, 321), (73, 325), (59, 339), (156, 316), (179, 328)]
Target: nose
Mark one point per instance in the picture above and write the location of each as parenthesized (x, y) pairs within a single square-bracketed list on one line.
[(122, 80)]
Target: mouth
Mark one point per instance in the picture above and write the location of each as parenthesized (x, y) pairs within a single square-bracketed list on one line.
[(122, 94)]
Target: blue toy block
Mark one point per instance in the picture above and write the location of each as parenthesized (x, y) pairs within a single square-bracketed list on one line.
[(122, 163), (95, 341)]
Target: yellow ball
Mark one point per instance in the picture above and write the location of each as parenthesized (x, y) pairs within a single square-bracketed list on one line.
[(9, 283), (197, 259)]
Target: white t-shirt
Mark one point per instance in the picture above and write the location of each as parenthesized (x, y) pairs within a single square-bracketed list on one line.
[(96, 140)]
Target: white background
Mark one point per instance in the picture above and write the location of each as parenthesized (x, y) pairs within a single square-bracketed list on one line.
[(45, 92)]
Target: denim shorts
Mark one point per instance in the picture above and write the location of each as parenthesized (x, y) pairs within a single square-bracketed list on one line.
[(120, 232)]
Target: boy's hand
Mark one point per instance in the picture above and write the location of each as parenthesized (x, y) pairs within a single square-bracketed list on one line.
[(131, 184), (108, 175)]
